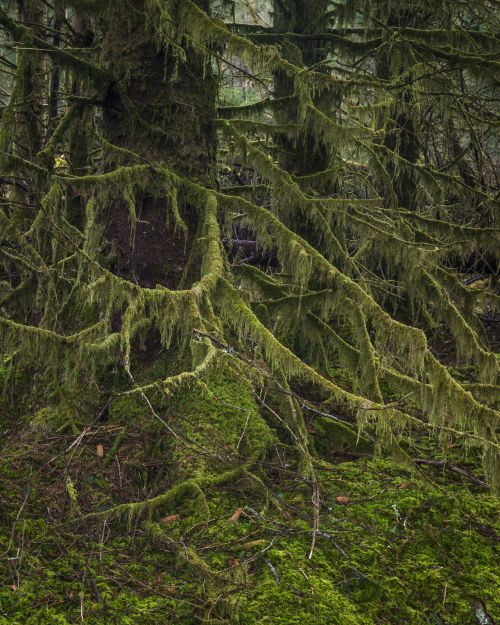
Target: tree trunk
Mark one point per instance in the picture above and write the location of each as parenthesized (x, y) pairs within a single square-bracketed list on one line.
[(161, 109), (307, 156), (29, 139), (176, 104), (80, 135), (402, 133)]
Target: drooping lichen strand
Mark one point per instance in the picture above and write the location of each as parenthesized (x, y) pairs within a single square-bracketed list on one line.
[(360, 270), (390, 334)]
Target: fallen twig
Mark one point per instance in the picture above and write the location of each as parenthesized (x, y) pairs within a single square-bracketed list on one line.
[(271, 568), (451, 467)]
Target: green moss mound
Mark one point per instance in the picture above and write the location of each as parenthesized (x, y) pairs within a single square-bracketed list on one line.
[(229, 537)]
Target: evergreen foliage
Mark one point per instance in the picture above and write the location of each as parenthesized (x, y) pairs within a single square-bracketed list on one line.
[(367, 192)]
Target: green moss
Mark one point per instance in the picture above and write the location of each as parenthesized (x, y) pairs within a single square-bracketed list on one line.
[(406, 548), (223, 409), (128, 409), (402, 543)]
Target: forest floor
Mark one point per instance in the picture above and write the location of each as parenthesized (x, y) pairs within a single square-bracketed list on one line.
[(396, 544)]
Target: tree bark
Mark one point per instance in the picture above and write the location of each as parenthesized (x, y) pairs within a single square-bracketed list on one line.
[(307, 156), (175, 101), (402, 133), (160, 108)]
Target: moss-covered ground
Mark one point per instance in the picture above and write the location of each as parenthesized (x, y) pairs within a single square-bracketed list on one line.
[(396, 545)]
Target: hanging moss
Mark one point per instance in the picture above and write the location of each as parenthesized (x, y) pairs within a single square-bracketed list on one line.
[(230, 394)]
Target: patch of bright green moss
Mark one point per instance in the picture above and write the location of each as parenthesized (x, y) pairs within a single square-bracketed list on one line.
[(401, 547)]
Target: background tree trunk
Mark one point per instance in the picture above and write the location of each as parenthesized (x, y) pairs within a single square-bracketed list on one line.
[(307, 155), (403, 128)]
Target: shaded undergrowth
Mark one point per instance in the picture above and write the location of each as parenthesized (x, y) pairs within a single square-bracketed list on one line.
[(228, 538)]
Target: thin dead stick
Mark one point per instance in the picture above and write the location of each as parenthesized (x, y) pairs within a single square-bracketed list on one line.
[(84, 432), (271, 568), (119, 473), (446, 465), (28, 491), (339, 548), (153, 412), (244, 430), (103, 409), (315, 502)]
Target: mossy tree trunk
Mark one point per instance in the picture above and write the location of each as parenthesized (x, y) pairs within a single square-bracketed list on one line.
[(81, 132), (306, 155), (29, 138), (161, 109), (403, 123)]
